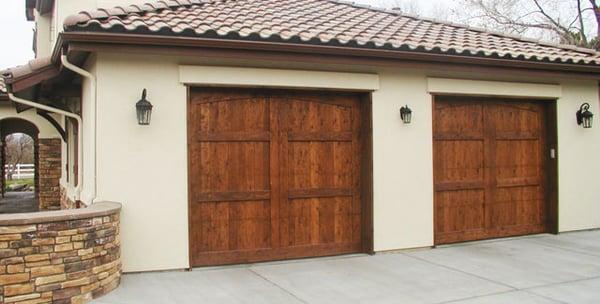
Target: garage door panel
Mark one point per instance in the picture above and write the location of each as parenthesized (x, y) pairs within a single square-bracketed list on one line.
[(458, 211), (458, 120), (320, 165), (234, 225), (316, 115), (238, 166), (223, 116), (518, 159), (323, 221), (506, 168), (516, 120), (518, 206), (459, 161)]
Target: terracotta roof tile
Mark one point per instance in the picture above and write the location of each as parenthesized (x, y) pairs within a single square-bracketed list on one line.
[(26, 69), (320, 22), (2, 86)]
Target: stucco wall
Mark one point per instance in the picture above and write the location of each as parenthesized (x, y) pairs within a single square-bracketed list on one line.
[(579, 198), (45, 128), (146, 167)]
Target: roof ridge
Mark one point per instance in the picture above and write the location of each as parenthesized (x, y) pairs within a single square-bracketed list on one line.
[(522, 38)]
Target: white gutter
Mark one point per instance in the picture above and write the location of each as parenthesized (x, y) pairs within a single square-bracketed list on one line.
[(93, 116), (80, 135)]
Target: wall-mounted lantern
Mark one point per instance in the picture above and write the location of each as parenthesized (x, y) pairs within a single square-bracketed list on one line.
[(144, 110), (584, 116), (406, 114)]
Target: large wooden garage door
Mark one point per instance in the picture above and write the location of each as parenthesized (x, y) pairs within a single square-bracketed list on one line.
[(490, 160), (273, 175)]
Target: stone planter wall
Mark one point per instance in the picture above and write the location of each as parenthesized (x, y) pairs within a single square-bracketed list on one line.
[(67, 256)]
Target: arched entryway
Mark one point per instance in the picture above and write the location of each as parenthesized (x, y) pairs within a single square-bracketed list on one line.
[(15, 132), (47, 160)]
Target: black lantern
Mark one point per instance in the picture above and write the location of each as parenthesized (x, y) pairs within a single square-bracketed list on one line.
[(144, 110), (406, 114), (584, 116)]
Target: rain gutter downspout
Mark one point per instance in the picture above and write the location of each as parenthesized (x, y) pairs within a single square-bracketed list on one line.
[(36, 105), (65, 62)]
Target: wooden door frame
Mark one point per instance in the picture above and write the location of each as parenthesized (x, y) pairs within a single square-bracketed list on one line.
[(551, 165), (366, 170)]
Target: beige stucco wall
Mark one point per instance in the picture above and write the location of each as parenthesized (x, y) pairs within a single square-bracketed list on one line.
[(579, 198), (43, 35), (146, 167)]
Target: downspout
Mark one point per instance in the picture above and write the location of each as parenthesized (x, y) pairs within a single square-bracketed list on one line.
[(67, 114), (93, 116)]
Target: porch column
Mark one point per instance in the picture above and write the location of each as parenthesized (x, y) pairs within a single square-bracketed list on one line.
[(49, 163)]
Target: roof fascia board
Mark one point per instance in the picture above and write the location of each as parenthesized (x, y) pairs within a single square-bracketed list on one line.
[(29, 80), (169, 41), (256, 55), (446, 86), (279, 78)]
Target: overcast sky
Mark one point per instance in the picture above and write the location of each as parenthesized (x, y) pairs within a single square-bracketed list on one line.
[(17, 33)]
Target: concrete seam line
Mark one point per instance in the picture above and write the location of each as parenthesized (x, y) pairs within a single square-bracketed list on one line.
[(277, 285), (558, 283), (461, 271), (478, 297), (565, 249), (543, 296)]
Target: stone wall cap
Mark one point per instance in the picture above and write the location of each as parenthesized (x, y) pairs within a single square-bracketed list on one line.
[(94, 210)]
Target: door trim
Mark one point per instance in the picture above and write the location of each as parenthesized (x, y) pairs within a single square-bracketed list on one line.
[(276, 78)]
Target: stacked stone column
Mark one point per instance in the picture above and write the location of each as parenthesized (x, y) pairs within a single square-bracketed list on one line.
[(49, 173)]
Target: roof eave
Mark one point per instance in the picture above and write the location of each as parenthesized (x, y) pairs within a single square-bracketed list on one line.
[(18, 84), (174, 41)]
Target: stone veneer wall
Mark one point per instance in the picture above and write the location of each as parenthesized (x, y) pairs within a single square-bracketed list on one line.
[(68, 256), (49, 172)]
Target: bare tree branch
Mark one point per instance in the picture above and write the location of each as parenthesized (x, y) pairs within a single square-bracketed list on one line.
[(565, 21), (581, 23)]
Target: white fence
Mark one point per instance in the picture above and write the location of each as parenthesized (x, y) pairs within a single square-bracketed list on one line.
[(20, 171)]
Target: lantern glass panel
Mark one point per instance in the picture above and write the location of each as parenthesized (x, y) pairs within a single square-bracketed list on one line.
[(407, 118), (144, 115), (587, 122)]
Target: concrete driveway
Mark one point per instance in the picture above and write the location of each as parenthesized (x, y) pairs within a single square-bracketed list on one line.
[(536, 269)]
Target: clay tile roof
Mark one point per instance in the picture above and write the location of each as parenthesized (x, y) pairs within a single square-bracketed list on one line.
[(2, 88), (26, 69), (320, 22)]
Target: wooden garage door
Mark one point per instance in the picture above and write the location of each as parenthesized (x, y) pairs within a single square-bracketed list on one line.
[(490, 169), (273, 175)]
